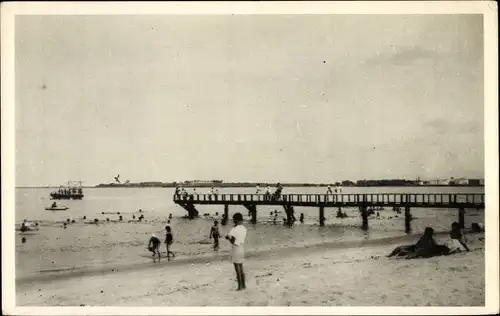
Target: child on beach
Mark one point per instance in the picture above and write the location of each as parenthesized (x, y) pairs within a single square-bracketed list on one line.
[(237, 237), (169, 239), (154, 247), (457, 239), (214, 232)]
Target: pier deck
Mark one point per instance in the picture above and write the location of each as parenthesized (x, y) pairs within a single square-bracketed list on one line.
[(434, 200), (459, 201)]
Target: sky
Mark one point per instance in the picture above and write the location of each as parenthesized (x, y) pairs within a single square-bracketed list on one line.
[(289, 98)]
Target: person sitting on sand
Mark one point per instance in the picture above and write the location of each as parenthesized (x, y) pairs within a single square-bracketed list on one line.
[(237, 236), (425, 247), (477, 228), (169, 239), (54, 204), (154, 247), (457, 239), (214, 232)]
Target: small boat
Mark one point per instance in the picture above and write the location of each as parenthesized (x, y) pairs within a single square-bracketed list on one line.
[(57, 208)]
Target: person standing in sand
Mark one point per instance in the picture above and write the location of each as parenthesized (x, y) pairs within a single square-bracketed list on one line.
[(169, 239), (237, 236)]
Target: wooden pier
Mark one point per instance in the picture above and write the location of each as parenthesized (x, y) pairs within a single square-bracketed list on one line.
[(460, 201)]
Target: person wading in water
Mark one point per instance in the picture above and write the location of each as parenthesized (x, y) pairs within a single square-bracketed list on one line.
[(237, 236), (169, 239), (154, 247), (214, 232)]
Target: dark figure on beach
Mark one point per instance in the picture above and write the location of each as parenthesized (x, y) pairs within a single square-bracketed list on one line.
[(476, 228), (224, 219), (154, 247), (425, 247), (84, 217), (54, 204), (169, 239), (457, 239), (237, 237), (214, 232), (133, 216), (170, 216), (301, 217), (120, 218), (23, 240)]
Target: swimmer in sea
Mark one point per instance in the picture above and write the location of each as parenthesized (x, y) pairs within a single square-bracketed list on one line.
[(24, 228), (154, 247)]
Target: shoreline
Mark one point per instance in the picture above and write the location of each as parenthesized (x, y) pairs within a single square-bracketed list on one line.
[(44, 276), (310, 277)]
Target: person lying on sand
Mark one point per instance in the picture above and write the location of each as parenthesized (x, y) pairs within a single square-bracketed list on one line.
[(457, 239), (154, 247), (425, 247)]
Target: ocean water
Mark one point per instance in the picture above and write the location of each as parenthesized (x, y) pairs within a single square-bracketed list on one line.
[(80, 245)]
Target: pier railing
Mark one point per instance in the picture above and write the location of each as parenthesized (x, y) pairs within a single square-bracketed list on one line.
[(444, 200)]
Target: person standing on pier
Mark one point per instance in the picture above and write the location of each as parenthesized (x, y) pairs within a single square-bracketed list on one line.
[(214, 232), (237, 237), (257, 189), (329, 190)]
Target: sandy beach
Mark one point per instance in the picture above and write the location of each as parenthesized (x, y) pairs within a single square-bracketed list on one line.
[(313, 276)]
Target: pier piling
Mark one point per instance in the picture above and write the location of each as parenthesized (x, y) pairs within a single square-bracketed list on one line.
[(408, 219), (252, 208), (461, 217), (226, 215), (321, 216), (364, 216), (290, 217)]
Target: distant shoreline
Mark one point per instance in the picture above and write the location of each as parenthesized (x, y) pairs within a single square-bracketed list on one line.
[(244, 185)]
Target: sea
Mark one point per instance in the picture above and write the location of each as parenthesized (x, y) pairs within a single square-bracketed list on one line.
[(54, 248)]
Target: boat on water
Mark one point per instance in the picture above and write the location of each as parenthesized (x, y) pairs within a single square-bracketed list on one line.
[(72, 191), (55, 207)]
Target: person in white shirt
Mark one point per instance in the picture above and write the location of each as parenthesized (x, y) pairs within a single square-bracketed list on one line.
[(237, 236)]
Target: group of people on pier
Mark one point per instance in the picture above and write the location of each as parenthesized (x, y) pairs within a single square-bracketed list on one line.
[(271, 196)]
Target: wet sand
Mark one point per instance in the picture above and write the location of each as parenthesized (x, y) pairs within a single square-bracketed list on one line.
[(313, 276)]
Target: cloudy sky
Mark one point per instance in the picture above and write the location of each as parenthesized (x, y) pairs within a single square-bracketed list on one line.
[(250, 98)]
